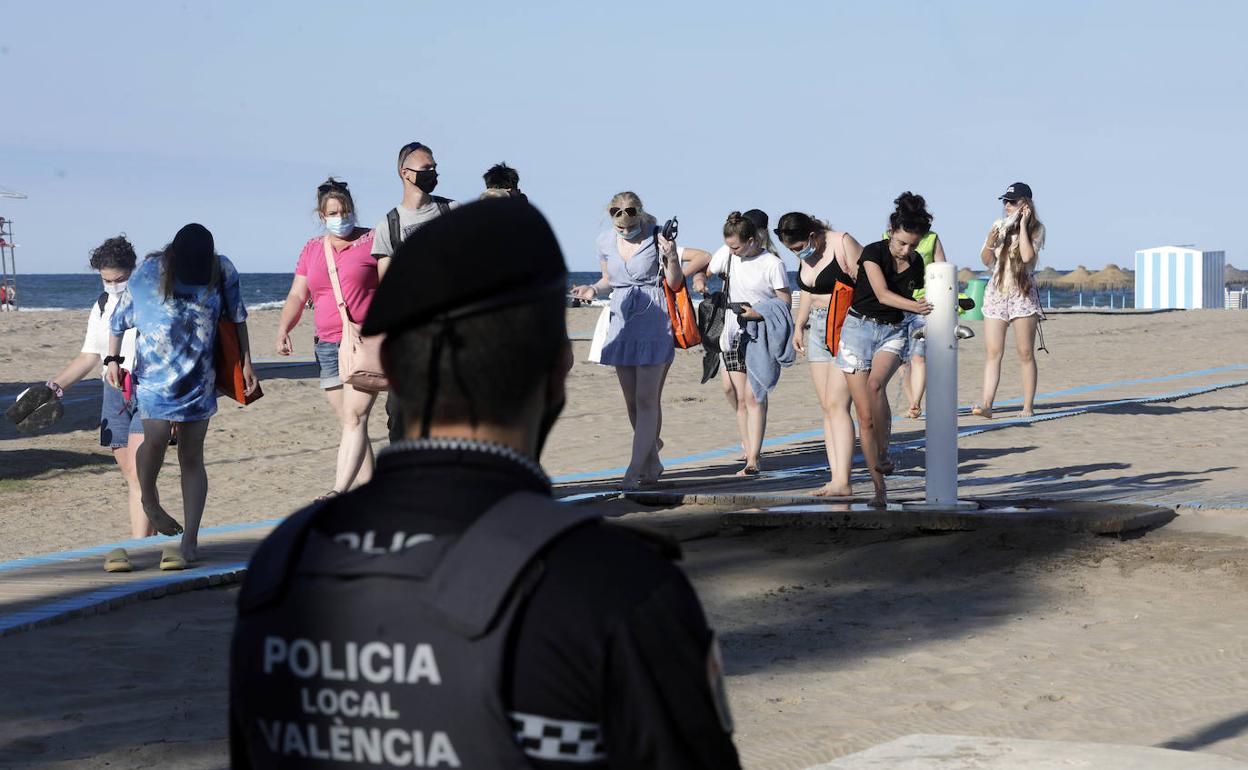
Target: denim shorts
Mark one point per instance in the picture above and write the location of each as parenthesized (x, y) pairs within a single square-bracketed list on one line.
[(119, 419), (817, 351), (862, 338), (914, 347), (327, 359)]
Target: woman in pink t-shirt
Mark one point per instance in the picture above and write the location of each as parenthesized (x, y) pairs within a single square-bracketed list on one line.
[(357, 274)]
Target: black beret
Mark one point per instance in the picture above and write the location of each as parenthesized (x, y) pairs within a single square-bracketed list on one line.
[(473, 259)]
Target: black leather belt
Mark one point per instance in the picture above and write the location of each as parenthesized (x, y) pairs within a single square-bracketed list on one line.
[(856, 314)]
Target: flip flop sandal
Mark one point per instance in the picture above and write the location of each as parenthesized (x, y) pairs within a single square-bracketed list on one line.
[(36, 408), (171, 559), (117, 561)]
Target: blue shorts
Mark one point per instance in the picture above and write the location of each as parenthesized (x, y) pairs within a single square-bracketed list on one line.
[(862, 338), (119, 419), (817, 351), (914, 347), (327, 360)]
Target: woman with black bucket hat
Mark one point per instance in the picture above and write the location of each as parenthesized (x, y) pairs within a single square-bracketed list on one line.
[(176, 297)]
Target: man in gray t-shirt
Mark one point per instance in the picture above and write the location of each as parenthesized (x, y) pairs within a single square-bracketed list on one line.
[(419, 172)]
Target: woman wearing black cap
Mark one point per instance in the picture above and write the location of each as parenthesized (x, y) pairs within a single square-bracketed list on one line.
[(1011, 299), (826, 259), (175, 299)]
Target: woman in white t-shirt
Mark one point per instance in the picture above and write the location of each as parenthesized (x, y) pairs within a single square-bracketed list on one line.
[(753, 274), (120, 427)]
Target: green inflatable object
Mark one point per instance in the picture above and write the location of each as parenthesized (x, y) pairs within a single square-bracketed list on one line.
[(975, 290)]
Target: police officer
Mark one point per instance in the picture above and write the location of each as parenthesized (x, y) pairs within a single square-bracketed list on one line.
[(450, 613)]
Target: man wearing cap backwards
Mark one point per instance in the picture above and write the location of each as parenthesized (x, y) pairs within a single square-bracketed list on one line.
[(449, 613), (419, 172)]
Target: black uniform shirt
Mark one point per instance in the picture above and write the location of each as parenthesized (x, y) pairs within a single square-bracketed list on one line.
[(613, 635), (903, 283)]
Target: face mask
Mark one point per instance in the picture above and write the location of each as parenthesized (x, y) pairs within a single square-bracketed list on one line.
[(631, 233), (340, 226), (426, 180), (807, 252), (115, 288)]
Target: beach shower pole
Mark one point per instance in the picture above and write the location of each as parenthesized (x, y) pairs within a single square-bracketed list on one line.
[(941, 282)]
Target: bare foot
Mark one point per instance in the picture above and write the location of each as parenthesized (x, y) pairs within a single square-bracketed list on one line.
[(161, 521), (915, 412), (831, 490), (887, 467), (190, 551), (880, 500), (982, 411), (749, 470), (1027, 413)]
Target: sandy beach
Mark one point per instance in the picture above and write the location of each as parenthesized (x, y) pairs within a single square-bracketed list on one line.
[(834, 641)]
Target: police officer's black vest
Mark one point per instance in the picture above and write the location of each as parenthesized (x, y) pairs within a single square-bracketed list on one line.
[(352, 659)]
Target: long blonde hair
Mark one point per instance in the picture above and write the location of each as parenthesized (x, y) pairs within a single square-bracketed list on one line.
[(1010, 250)]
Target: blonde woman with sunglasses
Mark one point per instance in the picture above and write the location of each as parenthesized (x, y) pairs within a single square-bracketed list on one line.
[(635, 260)]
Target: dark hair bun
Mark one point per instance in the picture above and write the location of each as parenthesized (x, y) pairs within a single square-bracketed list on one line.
[(910, 214)]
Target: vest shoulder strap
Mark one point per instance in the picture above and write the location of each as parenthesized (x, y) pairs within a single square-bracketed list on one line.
[(396, 231), (476, 577), (444, 204), (271, 564)]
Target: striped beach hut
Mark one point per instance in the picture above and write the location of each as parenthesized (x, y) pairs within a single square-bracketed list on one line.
[(1178, 277)]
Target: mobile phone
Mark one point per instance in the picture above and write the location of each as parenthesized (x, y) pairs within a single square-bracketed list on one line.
[(739, 307), (670, 228)]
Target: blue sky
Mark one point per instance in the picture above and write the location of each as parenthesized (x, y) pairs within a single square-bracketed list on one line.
[(1127, 118)]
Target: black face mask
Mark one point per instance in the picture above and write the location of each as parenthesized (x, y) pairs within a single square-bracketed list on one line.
[(426, 181)]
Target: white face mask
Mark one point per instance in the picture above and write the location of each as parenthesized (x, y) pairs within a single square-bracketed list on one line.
[(115, 288), (340, 226)]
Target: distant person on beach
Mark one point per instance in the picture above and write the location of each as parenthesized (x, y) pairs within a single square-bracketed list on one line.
[(913, 370), (874, 334), (1010, 252), (758, 287), (827, 267), (502, 180), (635, 258), (121, 430), (451, 613), (419, 174), (175, 300), (357, 276)]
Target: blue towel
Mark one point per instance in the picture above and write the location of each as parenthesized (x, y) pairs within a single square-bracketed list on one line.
[(769, 346)]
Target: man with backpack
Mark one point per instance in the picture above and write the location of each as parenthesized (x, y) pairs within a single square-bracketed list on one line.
[(419, 172)]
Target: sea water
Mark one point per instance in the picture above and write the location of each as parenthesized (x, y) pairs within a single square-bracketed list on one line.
[(74, 291)]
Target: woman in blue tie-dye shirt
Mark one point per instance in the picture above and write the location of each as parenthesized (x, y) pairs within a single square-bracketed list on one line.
[(176, 298)]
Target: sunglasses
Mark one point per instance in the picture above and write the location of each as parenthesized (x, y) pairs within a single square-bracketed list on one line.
[(615, 211), (327, 186)]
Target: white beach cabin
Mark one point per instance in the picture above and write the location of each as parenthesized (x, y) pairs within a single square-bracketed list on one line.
[(1179, 277)]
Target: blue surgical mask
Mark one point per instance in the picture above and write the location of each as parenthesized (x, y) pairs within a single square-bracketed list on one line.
[(340, 226), (631, 234), (808, 251)]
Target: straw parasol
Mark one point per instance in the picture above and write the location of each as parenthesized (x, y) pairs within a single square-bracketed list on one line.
[(1047, 277), (1078, 278), (966, 274), (1233, 274), (1112, 277)]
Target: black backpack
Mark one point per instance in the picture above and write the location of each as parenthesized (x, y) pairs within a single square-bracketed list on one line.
[(396, 231)]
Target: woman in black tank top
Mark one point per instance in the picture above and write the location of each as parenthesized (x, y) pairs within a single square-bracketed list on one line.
[(873, 337), (825, 258)]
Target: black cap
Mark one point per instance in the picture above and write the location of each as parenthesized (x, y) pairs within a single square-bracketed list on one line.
[(758, 217), (1016, 191), (474, 259)]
